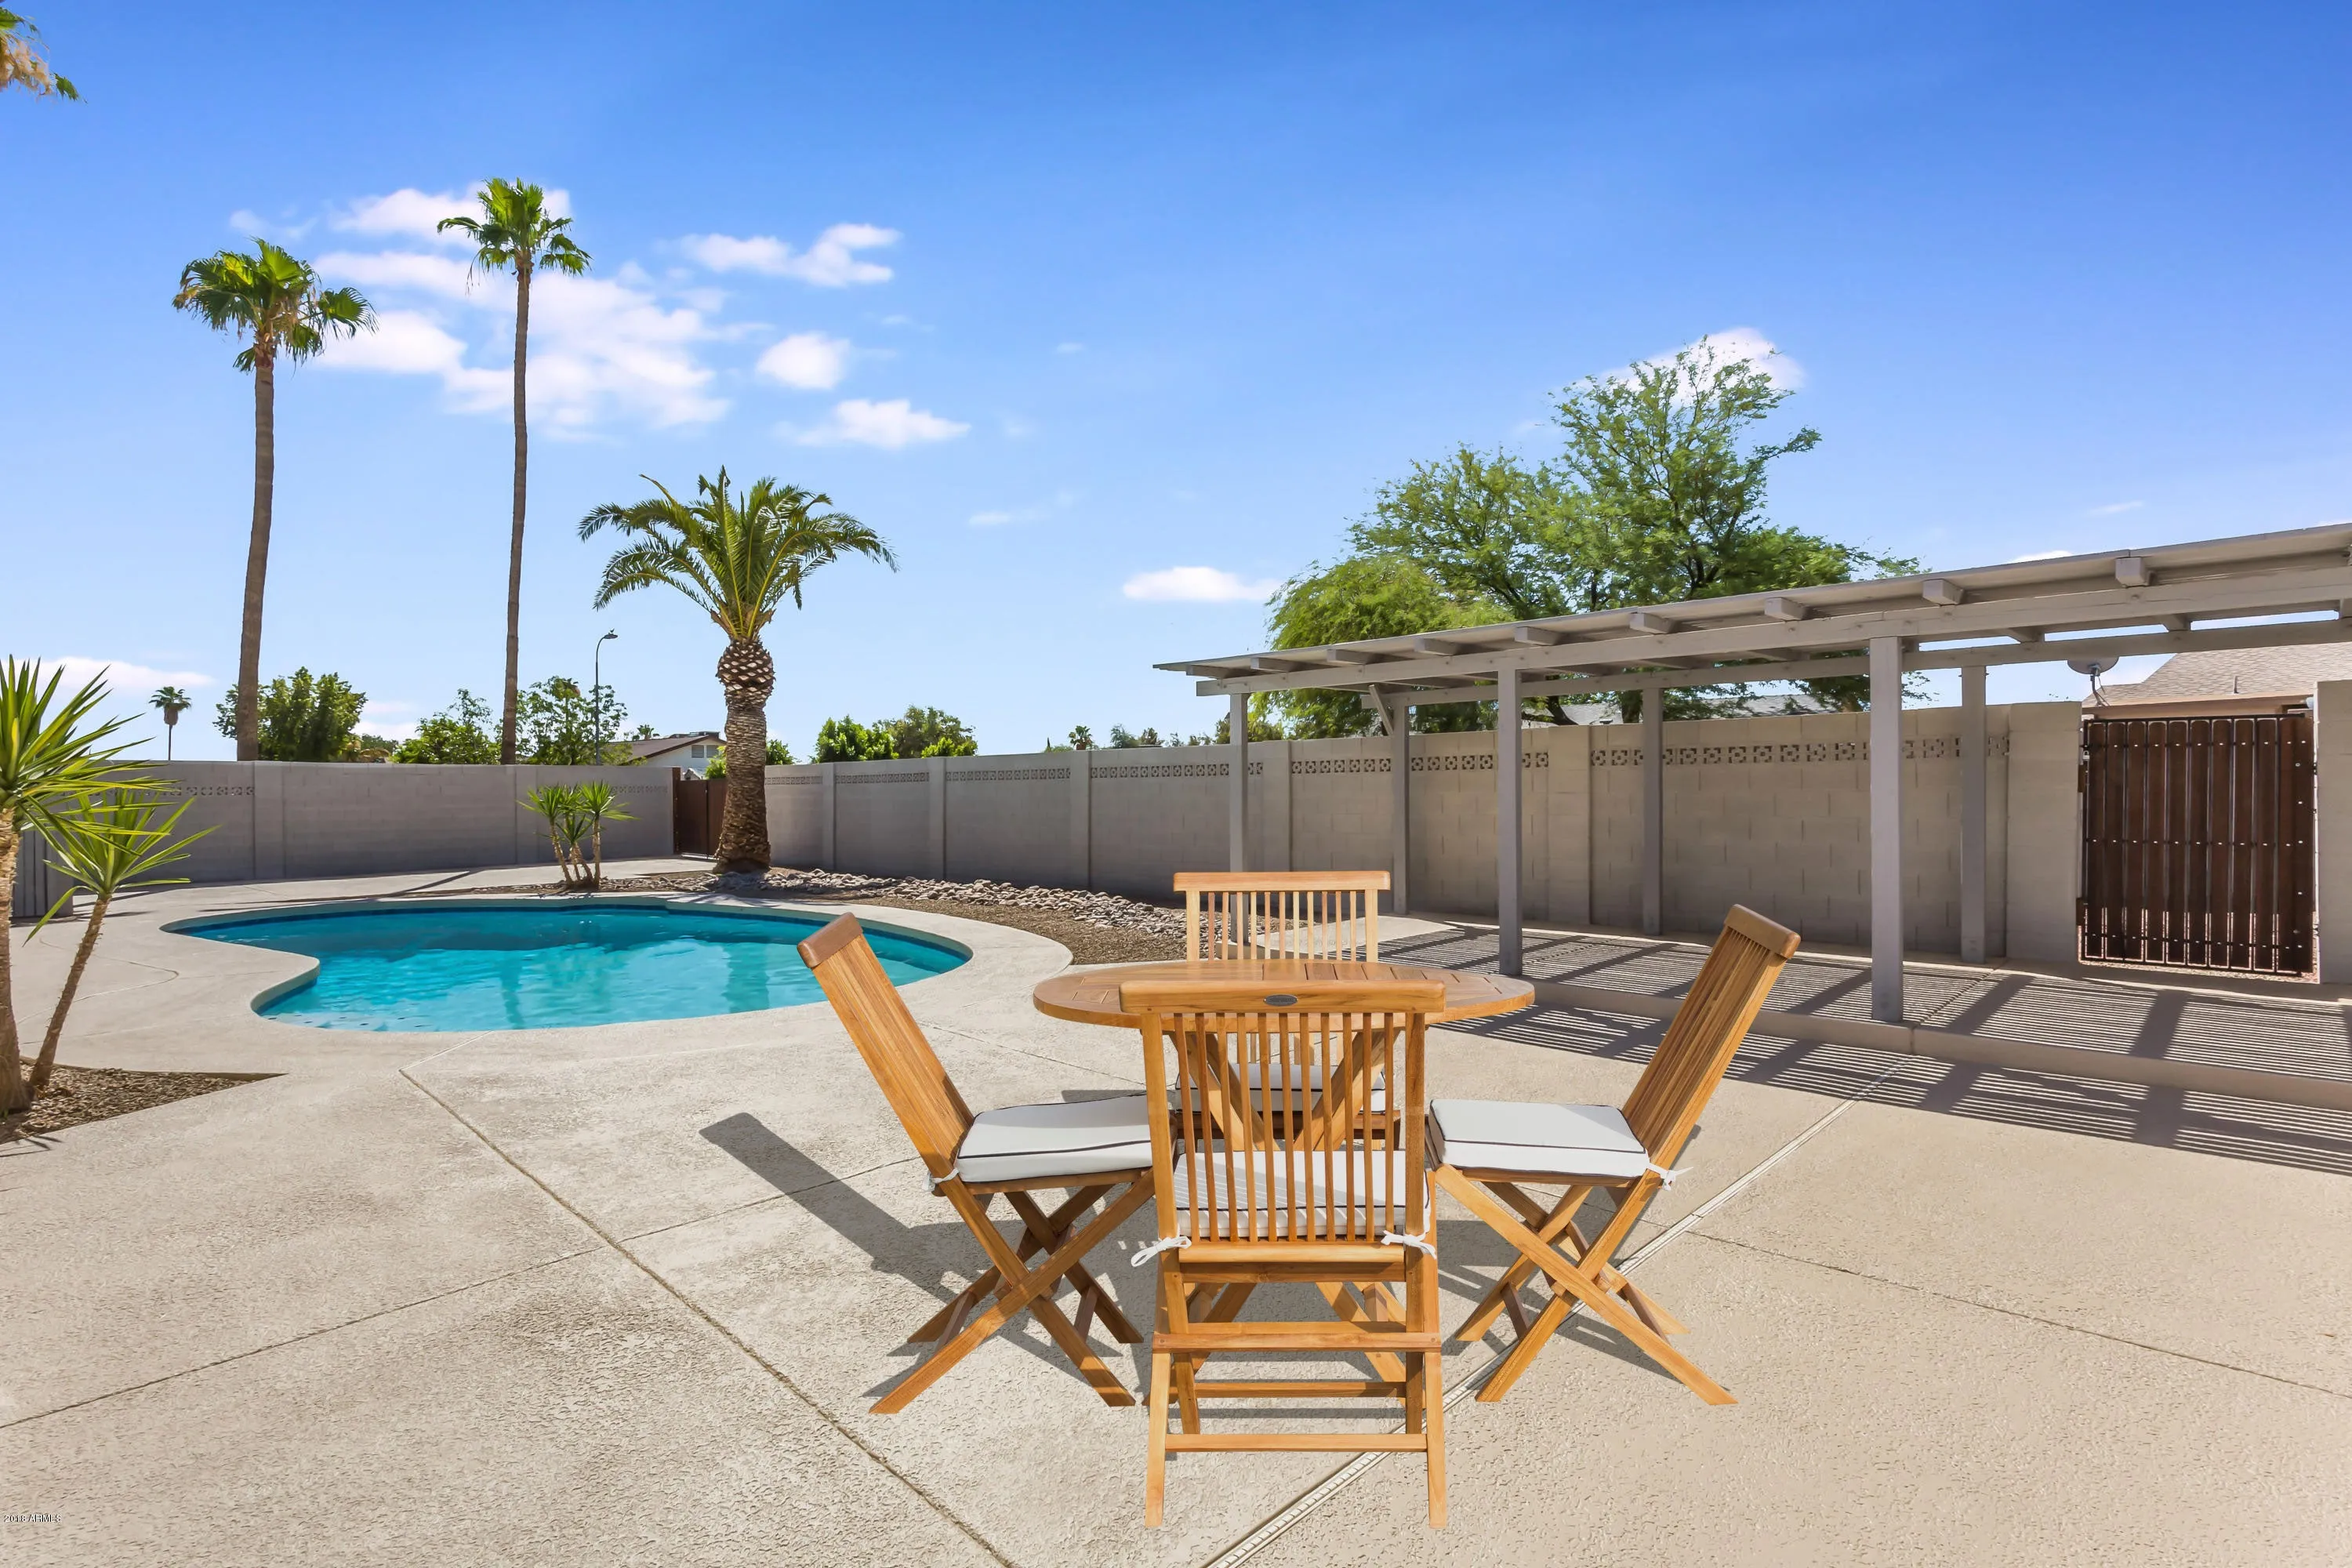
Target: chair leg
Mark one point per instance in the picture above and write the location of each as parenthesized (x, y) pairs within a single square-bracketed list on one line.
[(1155, 1471), (1035, 1237), (1597, 1299), (1080, 1279), (1022, 1290), (1560, 1220), (1433, 1430)]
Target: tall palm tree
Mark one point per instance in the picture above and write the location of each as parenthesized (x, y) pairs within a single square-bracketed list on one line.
[(174, 702), (515, 231), (738, 557), (275, 300)]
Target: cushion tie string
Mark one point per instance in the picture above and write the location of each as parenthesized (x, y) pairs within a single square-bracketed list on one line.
[(1144, 1254), (1398, 1238), (950, 1173), (1665, 1177)]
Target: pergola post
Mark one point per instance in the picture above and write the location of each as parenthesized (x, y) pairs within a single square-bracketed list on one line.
[(1886, 829), (1973, 841), (1237, 822), (1507, 821), (1397, 714), (1654, 811)]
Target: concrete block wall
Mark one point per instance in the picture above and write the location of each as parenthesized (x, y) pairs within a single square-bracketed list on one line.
[(1772, 812), (272, 820)]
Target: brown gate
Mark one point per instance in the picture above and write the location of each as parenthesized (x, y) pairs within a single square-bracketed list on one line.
[(695, 807), (2197, 842)]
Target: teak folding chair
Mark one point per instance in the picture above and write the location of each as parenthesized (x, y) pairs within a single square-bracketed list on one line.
[(1260, 1185), (1487, 1150), (1267, 914), (1100, 1148)]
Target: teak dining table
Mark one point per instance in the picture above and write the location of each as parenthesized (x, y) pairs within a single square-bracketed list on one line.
[(1091, 995)]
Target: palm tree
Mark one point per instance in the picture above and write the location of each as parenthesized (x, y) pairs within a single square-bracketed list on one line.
[(274, 298), (25, 64), (515, 231), (174, 702), (737, 557)]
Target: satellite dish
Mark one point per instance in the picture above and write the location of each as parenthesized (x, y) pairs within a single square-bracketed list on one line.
[(2093, 667)]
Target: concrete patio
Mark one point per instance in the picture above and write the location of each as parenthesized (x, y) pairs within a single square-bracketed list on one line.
[(624, 1294)]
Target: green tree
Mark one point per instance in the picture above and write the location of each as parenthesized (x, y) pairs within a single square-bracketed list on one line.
[(24, 62), (455, 735), (174, 702), (1082, 739), (276, 301), (516, 233), (928, 732), (1360, 597), (1122, 738), (845, 739), (736, 557), (110, 844), (300, 719), (52, 756), (780, 755), (563, 726)]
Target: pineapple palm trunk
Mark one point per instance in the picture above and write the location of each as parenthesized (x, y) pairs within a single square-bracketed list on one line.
[(48, 1056), (257, 553), (14, 1095), (747, 675), (514, 547)]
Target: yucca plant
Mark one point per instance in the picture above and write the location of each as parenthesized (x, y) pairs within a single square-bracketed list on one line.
[(737, 557), (53, 754), (598, 806), (558, 806), (108, 845)]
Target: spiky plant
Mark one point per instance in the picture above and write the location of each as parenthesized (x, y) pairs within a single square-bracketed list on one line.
[(738, 557), (516, 233), (273, 298), (107, 846), (52, 755)]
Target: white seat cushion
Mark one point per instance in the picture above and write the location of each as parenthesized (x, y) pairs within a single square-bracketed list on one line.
[(1075, 1138), (1536, 1139), (1314, 1085)]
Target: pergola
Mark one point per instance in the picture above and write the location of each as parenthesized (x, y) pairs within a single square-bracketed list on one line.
[(2169, 599)]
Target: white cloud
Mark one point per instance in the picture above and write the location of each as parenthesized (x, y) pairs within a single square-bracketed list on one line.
[(807, 360), (1744, 345), (442, 275), (415, 214), (893, 423), (1070, 348), (831, 263), (123, 677), (1196, 584), (409, 343), (2115, 509), (246, 221)]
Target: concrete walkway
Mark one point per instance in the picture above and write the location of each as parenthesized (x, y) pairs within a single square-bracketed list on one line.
[(624, 1294)]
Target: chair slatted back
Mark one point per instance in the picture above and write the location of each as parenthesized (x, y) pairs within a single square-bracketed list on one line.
[(892, 1044), (1261, 914), (1285, 1166), (1707, 1031)]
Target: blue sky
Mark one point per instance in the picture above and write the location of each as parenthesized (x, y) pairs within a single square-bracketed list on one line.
[(1062, 301)]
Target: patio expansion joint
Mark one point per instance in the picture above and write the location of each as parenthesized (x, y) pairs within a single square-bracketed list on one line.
[(304, 1337), (2023, 1316), (783, 1380)]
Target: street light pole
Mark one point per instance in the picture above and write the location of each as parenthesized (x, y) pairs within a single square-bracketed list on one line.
[(597, 691)]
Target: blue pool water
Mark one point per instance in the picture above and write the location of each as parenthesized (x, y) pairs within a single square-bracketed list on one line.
[(548, 967)]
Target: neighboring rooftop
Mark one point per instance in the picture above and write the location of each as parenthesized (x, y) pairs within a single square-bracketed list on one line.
[(690, 749), (2238, 672)]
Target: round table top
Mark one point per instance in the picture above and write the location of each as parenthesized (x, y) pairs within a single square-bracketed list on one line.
[(1091, 995)]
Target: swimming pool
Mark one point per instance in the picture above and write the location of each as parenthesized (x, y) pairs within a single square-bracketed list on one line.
[(543, 965)]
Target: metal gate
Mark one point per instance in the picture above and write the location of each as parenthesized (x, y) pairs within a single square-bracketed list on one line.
[(2197, 842), (696, 807)]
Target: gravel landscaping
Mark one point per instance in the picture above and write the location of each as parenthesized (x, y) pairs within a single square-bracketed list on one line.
[(77, 1095)]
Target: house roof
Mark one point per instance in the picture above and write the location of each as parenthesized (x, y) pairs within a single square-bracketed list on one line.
[(2238, 672), (654, 746)]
